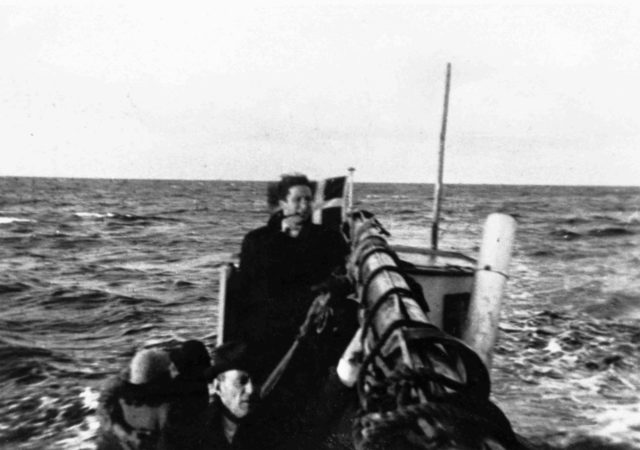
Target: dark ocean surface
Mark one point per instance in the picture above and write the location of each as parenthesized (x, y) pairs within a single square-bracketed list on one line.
[(90, 270)]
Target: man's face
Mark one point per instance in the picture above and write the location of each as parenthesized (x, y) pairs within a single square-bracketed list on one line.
[(299, 202), (237, 392)]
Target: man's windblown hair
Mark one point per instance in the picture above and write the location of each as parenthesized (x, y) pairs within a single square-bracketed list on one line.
[(278, 190)]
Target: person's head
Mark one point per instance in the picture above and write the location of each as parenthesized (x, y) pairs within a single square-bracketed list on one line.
[(237, 392), (191, 359), (295, 195), (149, 379), (231, 372)]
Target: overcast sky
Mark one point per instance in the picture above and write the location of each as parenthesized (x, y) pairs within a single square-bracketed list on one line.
[(541, 93)]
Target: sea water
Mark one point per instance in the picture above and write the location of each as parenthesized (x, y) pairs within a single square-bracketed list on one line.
[(91, 270)]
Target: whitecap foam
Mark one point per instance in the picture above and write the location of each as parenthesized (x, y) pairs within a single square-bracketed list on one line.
[(6, 220), (82, 435), (553, 346), (618, 424), (634, 218), (91, 215), (90, 398)]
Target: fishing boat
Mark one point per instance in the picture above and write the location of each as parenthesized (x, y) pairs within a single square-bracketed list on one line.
[(421, 358)]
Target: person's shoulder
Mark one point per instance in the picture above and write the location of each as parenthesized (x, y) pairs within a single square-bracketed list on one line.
[(189, 432), (321, 229), (271, 227), (210, 424), (107, 440), (258, 233), (212, 413), (327, 233), (113, 386)]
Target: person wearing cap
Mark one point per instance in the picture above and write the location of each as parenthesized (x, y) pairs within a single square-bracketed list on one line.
[(134, 406), (280, 263), (191, 362), (235, 398)]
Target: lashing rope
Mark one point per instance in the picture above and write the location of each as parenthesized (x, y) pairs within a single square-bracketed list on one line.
[(446, 419), (457, 409)]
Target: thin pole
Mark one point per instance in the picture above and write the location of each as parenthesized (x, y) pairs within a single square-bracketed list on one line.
[(437, 197)]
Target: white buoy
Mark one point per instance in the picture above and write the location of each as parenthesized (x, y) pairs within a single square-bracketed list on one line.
[(351, 361), (481, 326), (225, 273)]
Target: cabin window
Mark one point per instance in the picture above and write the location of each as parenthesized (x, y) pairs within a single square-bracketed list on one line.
[(455, 311)]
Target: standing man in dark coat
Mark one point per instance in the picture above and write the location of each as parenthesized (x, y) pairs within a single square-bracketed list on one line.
[(280, 264)]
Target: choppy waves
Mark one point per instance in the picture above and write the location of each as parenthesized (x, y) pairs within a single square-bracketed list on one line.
[(90, 270), (569, 235), (572, 365)]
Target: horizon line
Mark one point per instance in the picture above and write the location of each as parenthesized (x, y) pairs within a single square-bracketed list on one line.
[(356, 182)]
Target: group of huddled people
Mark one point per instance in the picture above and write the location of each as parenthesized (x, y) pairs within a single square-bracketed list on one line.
[(162, 400), (272, 384)]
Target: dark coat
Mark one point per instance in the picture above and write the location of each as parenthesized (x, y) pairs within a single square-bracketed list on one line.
[(273, 290), (115, 433), (278, 279), (212, 433), (182, 430)]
